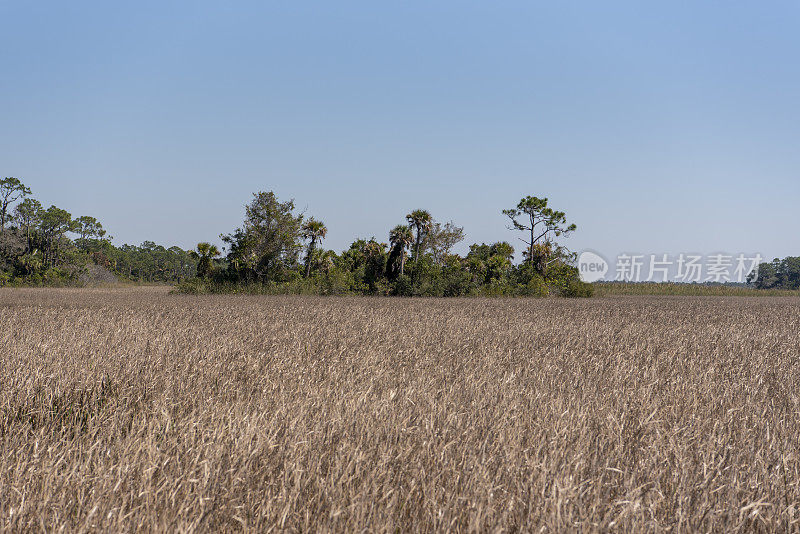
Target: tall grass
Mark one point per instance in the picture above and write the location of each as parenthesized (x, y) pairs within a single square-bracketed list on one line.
[(132, 409), (606, 289)]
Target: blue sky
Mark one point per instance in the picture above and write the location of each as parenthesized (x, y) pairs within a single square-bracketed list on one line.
[(657, 128)]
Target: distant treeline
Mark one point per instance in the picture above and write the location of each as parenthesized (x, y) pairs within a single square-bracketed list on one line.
[(608, 289), (277, 250), (41, 246), (778, 274)]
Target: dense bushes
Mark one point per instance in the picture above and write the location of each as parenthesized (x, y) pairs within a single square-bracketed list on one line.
[(425, 280)]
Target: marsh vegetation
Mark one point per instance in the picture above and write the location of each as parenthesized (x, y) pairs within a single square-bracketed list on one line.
[(132, 409)]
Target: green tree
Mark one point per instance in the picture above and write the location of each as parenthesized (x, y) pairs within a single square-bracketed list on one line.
[(323, 260), (541, 223), (367, 261), (28, 215), (400, 238), (206, 252), (88, 228), (777, 274), (181, 263), (11, 190), (375, 258), (268, 243), (314, 231), (420, 221), (502, 249), (497, 268), (489, 262), (791, 269), (441, 239), (55, 224), (30, 263)]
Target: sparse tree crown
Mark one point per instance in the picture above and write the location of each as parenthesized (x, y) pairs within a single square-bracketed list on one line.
[(11, 190), (533, 216)]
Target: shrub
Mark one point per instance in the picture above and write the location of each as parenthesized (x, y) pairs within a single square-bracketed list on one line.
[(403, 287), (577, 288), (536, 287), (193, 286)]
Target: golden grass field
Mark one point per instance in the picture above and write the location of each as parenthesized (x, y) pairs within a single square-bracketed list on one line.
[(686, 290), (133, 409)]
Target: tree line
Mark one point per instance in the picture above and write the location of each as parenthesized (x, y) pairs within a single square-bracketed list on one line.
[(777, 274), (47, 246), (277, 250)]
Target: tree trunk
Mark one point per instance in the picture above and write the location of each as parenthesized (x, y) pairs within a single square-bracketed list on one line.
[(311, 248), (530, 247)]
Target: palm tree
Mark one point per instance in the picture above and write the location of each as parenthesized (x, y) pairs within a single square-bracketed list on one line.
[(324, 260), (421, 222), (401, 238), (206, 252), (314, 231)]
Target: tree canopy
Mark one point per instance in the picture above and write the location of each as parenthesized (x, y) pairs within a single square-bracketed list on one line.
[(267, 246), (11, 190), (777, 274), (542, 224)]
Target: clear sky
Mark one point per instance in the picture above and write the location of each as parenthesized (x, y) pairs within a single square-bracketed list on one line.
[(657, 126)]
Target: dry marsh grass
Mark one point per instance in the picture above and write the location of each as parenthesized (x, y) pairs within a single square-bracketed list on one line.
[(131, 409), (611, 289)]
